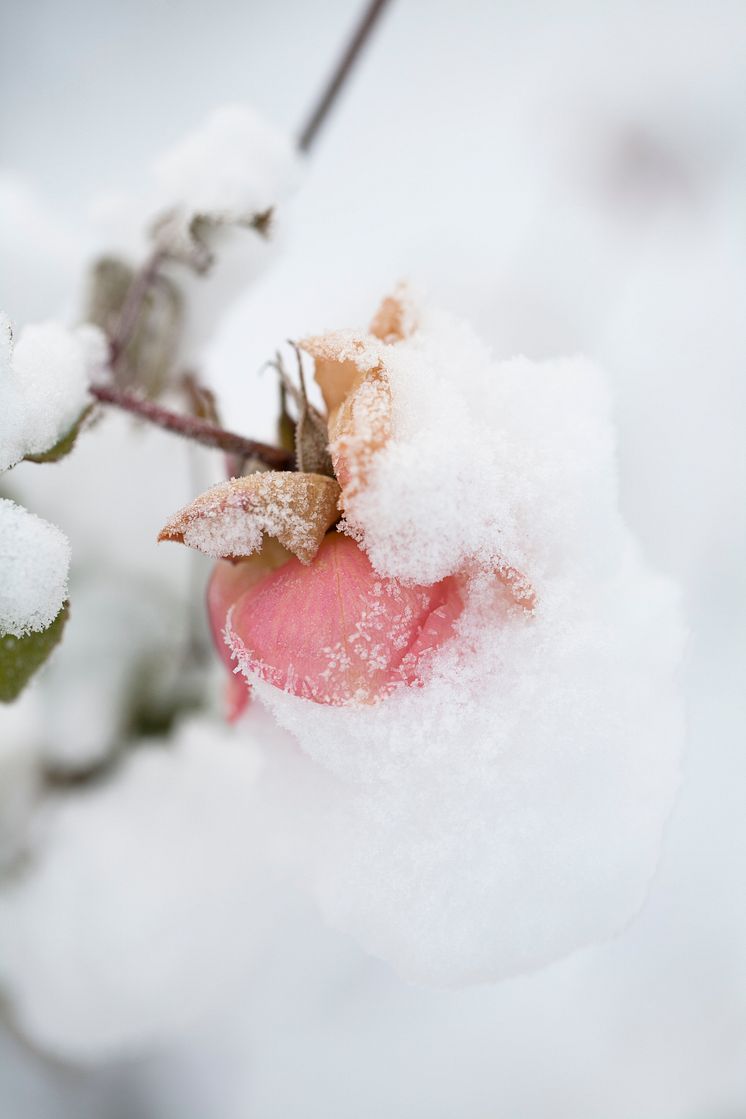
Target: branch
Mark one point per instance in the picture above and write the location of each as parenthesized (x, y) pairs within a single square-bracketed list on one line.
[(200, 431), (340, 74)]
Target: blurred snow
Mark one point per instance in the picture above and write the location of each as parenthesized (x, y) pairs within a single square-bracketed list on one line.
[(568, 177)]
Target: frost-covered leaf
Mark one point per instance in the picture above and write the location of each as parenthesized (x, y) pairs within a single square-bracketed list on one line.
[(232, 518), (21, 657), (44, 378), (358, 430), (341, 360)]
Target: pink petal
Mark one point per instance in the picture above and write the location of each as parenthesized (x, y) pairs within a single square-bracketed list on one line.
[(335, 632), (229, 580)]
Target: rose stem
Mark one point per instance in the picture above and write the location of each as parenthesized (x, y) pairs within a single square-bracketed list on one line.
[(201, 431), (340, 74)]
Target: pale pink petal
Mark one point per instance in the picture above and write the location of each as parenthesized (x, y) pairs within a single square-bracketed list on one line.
[(335, 632)]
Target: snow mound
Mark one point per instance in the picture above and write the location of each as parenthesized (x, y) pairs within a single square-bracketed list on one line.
[(142, 906), (235, 164), (34, 565), (44, 380)]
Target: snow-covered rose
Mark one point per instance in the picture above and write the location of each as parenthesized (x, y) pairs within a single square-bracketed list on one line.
[(502, 804)]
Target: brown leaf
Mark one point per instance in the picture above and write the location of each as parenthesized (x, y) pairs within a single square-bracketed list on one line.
[(342, 358), (358, 429), (232, 518), (520, 588), (394, 319)]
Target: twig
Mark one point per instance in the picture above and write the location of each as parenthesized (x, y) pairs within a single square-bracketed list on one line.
[(340, 74), (200, 431)]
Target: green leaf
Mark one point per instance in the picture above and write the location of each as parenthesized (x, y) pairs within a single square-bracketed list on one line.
[(21, 657), (64, 445)]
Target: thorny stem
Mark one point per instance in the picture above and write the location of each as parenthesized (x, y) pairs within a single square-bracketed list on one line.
[(200, 431), (340, 74)]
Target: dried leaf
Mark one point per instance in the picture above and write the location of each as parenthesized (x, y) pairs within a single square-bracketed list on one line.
[(232, 518), (202, 400), (359, 428), (150, 353), (309, 431), (21, 657), (342, 358), (186, 237), (520, 588), (394, 319), (285, 422)]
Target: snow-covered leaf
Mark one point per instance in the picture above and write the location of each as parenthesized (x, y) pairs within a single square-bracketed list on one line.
[(34, 563), (44, 378), (64, 445)]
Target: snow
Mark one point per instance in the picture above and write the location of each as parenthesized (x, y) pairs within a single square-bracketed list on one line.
[(134, 896), (525, 227), (44, 378), (234, 165), (533, 774), (227, 170), (510, 460), (34, 564)]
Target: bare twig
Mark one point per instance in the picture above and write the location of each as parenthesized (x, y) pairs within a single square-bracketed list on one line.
[(199, 431), (340, 74)]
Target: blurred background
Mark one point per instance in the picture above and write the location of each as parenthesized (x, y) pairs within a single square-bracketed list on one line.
[(568, 176)]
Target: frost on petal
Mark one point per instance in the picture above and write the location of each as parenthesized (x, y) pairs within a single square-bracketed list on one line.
[(44, 378), (335, 632), (34, 564), (232, 518)]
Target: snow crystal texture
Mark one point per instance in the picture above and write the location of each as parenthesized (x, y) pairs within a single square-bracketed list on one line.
[(34, 564), (43, 385), (511, 810)]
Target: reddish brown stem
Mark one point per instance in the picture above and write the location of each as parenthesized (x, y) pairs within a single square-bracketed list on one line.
[(340, 74), (200, 431)]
